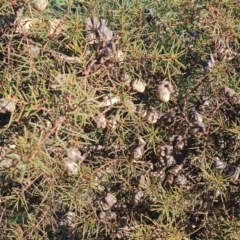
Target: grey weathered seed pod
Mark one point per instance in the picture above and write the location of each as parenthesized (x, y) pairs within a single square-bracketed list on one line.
[(68, 220), (5, 163), (108, 201), (119, 56), (109, 100), (91, 38), (232, 94), (167, 161), (71, 166), (165, 150), (139, 148), (177, 142), (129, 105), (168, 118), (219, 165), (164, 91), (152, 115), (180, 180), (34, 51), (232, 171), (141, 110), (55, 27), (229, 92), (112, 123), (39, 5), (138, 152), (100, 121), (142, 180), (160, 174), (108, 216), (210, 64), (104, 32), (198, 128), (126, 79), (138, 85), (195, 117), (176, 169), (88, 24), (7, 106), (91, 25), (137, 198), (108, 51), (74, 155)]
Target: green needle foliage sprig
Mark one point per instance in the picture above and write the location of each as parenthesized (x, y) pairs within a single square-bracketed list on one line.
[(119, 120)]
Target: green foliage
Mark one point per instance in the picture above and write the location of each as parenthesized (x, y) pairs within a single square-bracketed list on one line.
[(59, 91)]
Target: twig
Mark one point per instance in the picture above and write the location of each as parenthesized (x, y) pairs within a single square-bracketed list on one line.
[(42, 218), (30, 184)]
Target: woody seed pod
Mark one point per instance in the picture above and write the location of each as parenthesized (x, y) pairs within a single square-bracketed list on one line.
[(164, 91), (7, 106), (138, 85), (67, 220), (39, 5), (104, 32)]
